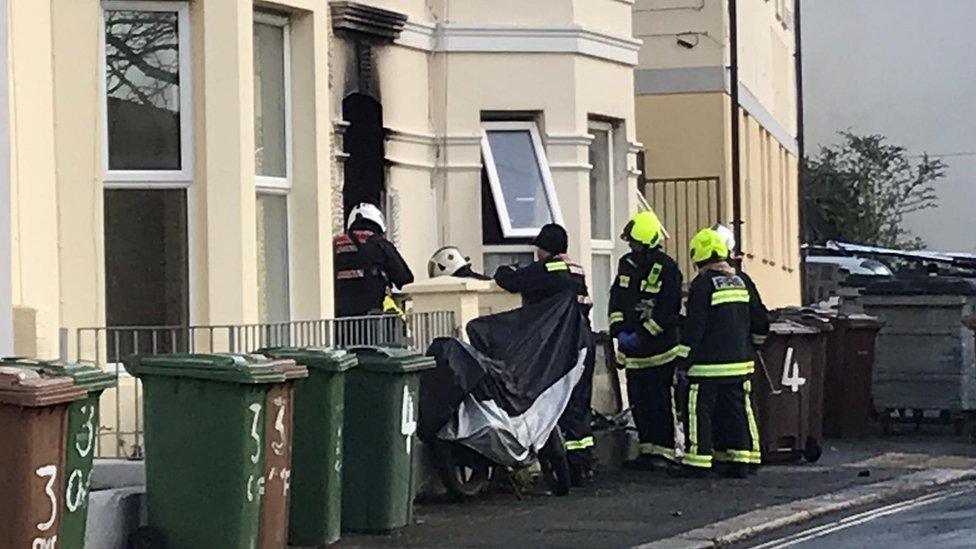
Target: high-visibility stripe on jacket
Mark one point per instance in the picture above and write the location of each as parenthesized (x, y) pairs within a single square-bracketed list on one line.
[(678, 351), (645, 298), (725, 315), (546, 278)]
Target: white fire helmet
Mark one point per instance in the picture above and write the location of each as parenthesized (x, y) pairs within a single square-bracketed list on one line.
[(446, 261), (728, 236), (365, 210)]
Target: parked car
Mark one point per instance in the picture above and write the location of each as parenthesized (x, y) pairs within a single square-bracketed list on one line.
[(856, 266)]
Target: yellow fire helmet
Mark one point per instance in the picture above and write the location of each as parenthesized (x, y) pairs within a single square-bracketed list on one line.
[(646, 228), (708, 244)]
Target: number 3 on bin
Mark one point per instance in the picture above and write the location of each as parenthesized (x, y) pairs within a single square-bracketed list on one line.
[(50, 472), (256, 410)]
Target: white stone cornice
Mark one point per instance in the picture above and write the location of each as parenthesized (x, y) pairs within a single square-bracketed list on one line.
[(469, 38)]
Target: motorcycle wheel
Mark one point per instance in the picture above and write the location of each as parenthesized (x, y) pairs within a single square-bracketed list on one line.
[(464, 472), (555, 464)]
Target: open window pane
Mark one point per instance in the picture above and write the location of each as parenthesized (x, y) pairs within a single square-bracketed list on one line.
[(518, 182), (270, 155), (601, 178), (142, 84), (272, 224)]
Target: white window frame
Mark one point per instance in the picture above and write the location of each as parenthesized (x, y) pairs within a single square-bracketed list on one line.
[(495, 183), (281, 186), (600, 245), (136, 179), (265, 183)]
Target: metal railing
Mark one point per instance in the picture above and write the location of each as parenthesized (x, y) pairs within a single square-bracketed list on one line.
[(120, 430)]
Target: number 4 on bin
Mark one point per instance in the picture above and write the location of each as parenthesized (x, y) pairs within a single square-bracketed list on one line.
[(791, 372)]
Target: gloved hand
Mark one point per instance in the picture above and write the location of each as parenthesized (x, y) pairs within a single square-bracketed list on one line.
[(629, 341), (680, 377)]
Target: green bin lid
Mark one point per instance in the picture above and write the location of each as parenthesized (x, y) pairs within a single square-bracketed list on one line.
[(87, 377), (228, 368), (392, 360), (318, 358)]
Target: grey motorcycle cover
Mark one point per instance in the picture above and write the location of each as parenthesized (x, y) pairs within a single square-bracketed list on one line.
[(502, 394)]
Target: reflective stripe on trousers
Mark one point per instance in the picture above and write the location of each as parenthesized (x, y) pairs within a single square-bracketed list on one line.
[(581, 444), (731, 369)]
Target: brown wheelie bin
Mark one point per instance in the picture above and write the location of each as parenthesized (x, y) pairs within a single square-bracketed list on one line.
[(848, 408), (278, 421), (33, 429), (788, 389)]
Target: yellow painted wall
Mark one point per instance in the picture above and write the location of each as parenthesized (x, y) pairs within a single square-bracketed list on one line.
[(507, 12), (656, 22), (682, 134), (770, 230), (766, 63), (34, 190), (310, 206), (78, 135), (609, 16)]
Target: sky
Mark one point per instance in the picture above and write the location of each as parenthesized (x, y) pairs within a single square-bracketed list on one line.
[(905, 69)]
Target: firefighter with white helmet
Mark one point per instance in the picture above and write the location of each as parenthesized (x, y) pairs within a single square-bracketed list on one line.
[(367, 265), (450, 261), (725, 319)]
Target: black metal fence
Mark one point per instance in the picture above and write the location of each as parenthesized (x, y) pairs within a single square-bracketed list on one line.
[(120, 431)]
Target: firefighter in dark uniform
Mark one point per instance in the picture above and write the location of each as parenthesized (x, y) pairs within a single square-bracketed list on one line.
[(645, 314), (552, 274), (367, 265), (726, 319)]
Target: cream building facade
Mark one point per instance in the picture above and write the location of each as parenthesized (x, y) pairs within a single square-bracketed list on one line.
[(188, 162), (684, 97)]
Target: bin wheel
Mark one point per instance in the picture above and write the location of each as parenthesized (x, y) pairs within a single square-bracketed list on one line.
[(464, 472), (555, 464), (147, 537), (812, 450)]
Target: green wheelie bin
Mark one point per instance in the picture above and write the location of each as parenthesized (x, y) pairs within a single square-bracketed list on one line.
[(80, 445), (382, 401), (316, 488), (214, 426)]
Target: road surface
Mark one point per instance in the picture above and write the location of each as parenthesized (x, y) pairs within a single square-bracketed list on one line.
[(945, 519)]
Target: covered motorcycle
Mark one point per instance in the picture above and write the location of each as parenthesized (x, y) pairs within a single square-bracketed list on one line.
[(503, 394)]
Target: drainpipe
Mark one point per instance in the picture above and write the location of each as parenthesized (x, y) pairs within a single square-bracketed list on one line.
[(800, 141), (734, 93)]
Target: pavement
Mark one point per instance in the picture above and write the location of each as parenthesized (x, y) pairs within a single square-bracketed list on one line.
[(633, 509)]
